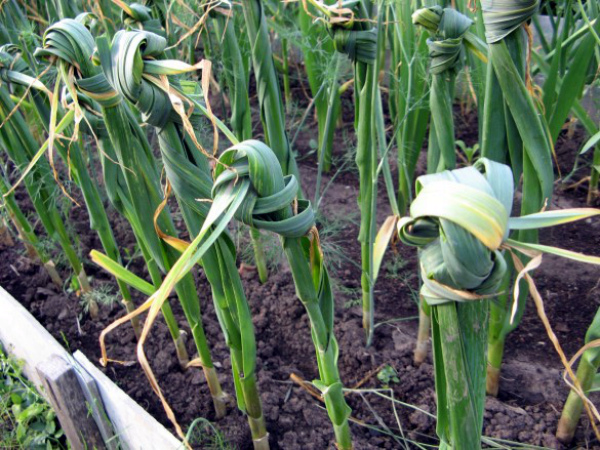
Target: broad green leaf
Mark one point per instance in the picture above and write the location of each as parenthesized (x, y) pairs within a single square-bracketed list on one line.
[(595, 139), (551, 218), (526, 117), (478, 212)]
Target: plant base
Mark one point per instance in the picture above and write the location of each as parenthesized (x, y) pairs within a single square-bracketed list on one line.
[(566, 429), (219, 397), (84, 283), (262, 443), (592, 195), (5, 237), (257, 427), (368, 322), (93, 309), (492, 382), (182, 353), (571, 413), (422, 347), (53, 273), (421, 351)]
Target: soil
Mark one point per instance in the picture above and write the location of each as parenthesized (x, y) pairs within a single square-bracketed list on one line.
[(532, 391)]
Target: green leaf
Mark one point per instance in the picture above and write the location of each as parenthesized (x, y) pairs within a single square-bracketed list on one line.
[(573, 82), (596, 384), (121, 273), (551, 218), (476, 211), (16, 399), (21, 432), (30, 412), (526, 117), (595, 139), (50, 427), (37, 426), (16, 410)]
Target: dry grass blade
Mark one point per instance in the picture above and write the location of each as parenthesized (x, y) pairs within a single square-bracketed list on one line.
[(591, 410), (308, 387), (175, 242), (153, 307)]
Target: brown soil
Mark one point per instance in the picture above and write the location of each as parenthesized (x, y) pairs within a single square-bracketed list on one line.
[(532, 391)]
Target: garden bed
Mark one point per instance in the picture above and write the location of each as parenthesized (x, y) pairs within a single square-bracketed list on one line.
[(532, 391)]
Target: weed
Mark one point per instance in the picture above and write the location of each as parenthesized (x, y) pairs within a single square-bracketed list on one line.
[(388, 375), (63, 336), (204, 434), (103, 295), (26, 420), (469, 152), (393, 268), (49, 246), (272, 249), (353, 294)]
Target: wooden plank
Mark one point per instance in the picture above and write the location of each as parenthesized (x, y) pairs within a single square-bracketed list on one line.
[(25, 338), (69, 403), (96, 406), (130, 421)]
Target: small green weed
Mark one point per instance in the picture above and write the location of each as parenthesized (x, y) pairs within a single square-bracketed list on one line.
[(26, 420), (270, 244), (387, 376), (468, 151), (103, 295), (394, 268), (203, 434)]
